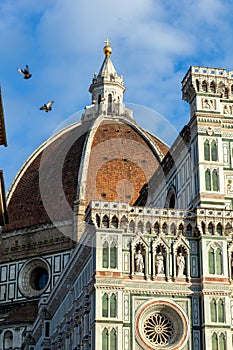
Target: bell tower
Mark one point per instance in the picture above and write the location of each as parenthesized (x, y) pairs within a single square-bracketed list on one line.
[(209, 91)]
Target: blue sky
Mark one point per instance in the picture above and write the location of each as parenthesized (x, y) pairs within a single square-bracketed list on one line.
[(154, 42)]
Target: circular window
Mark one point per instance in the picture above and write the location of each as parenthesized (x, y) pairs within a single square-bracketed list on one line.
[(34, 277), (161, 324)]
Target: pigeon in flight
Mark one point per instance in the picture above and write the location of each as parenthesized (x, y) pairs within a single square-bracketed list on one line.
[(47, 106), (26, 74)]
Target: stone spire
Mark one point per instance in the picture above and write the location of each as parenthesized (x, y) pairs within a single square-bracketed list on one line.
[(107, 87)]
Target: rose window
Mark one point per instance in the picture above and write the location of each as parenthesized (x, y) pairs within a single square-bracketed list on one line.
[(161, 324), (158, 329)]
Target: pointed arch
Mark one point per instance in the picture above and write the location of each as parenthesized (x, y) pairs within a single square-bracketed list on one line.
[(208, 180), (113, 255), (156, 228), (221, 311), (113, 306), (164, 228), (181, 229), (212, 87), (213, 310), (148, 227), (173, 229), (189, 230), (222, 342), (109, 103), (140, 227), (219, 229), (226, 93), (105, 305), (219, 266), (105, 221), (131, 226), (210, 229), (105, 339), (215, 180), (211, 261), (113, 339), (214, 341), (114, 222), (105, 255), (207, 150), (204, 86), (214, 151), (124, 223)]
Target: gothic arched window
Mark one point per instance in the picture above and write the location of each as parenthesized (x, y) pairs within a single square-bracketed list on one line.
[(219, 229), (123, 223), (148, 227), (109, 103), (164, 228), (210, 229), (219, 261), (97, 220), (113, 256), (208, 180), (105, 255), (214, 341), (206, 150), (105, 339), (215, 180), (212, 87), (222, 342), (156, 228), (214, 151), (105, 221), (211, 261), (114, 222), (113, 306), (204, 86), (221, 313), (105, 305), (213, 310), (113, 339), (131, 226), (197, 85)]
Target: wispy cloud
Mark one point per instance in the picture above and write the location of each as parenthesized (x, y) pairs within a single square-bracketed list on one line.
[(154, 43)]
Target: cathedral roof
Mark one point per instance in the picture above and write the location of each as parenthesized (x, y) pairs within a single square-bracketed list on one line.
[(105, 156)]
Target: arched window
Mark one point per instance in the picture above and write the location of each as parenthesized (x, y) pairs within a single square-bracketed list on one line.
[(214, 340), (105, 305), (99, 99), (228, 229), (148, 227), (219, 261), (204, 86), (97, 220), (208, 180), (113, 306), (221, 313), (105, 221), (211, 261), (212, 87), (132, 226), (215, 180), (213, 310), (8, 340), (189, 230), (226, 93), (173, 229), (109, 103), (113, 339), (140, 227), (105, 255), (210, 229), (181, 229), (219, 229), (164, 228), (197, 85), (214, 151), (156, 228), (114, 222), (203, 227), (105, 339), (113, 256), (206, 150), (222, 342), (123, 223)]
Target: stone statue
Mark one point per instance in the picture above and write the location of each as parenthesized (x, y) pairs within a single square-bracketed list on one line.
[(139, 263), (159, 263), (180, 265)]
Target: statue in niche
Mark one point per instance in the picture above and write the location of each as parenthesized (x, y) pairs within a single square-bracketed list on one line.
[(159, 263), (180, 261), (139, 263)]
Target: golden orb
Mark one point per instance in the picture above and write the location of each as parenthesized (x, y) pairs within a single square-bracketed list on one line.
[(107, 50)]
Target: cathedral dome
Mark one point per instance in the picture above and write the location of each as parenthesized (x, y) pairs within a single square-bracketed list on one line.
[(105, 156)]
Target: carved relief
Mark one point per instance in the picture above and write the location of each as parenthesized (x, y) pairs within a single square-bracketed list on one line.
[(208, 104)]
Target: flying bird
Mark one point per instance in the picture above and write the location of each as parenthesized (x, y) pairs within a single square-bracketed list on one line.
[(26, 74), (47, 106)]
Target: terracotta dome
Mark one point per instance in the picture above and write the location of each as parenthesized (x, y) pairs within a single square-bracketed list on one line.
[(106, 159)]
